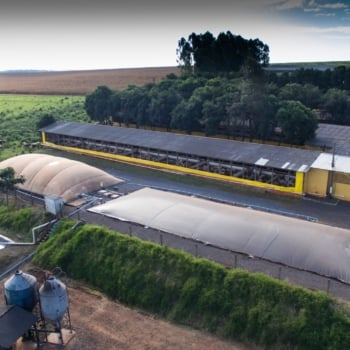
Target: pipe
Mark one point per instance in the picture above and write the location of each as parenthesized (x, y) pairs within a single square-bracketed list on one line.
[(34, 229)]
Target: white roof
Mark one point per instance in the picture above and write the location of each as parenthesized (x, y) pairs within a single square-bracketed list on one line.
[(49, 175), (294, 242), (324, 162)]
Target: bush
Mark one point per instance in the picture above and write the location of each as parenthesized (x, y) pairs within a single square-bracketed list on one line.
[(231, 303)]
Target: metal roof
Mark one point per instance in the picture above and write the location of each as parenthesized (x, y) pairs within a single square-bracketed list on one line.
[(294, 242), (14, 322), (229, 150), (333, 136)]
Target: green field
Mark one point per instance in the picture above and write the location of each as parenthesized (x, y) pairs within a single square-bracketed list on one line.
[(19, 115)]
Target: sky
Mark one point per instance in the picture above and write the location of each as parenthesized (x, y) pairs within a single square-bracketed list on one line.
[(108, 34)]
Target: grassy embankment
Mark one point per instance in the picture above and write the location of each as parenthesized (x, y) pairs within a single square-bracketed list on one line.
[(233, 304), (17, 224)]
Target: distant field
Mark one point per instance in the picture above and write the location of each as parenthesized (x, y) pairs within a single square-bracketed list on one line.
[(84, 82), (79, 82)]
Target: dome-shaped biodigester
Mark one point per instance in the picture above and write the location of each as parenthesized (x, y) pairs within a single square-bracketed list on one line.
[(21, 290), (53, 299)]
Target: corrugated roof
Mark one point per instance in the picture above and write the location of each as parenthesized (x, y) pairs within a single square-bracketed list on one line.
[(14, 322), (290, 241), (215, 148), (333, 136)]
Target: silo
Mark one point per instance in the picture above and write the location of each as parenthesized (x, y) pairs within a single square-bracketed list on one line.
[(21, 290), (53, 299)]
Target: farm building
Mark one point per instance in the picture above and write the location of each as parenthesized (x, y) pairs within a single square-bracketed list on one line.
[(47, 175), (275, 168)]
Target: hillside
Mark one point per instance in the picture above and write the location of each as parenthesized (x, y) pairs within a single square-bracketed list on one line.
[(79, 82)]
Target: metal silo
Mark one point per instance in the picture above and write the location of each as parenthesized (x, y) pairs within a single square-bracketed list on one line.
[(21, 290), (53, 299)]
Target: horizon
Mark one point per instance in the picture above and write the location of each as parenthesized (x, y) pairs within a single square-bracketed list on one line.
[(328, 64), (73, 35)]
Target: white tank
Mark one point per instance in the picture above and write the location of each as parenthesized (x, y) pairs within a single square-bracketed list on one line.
[(21, 290), (54, 299)]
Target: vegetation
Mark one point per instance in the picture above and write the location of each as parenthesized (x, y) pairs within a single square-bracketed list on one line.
[(283, 107), (21, 115), (232, 107), (230, 303), (8, 181), (17, 223), (203, 53)]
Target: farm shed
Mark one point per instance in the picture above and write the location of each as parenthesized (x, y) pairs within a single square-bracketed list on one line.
[(49, 175), (293, 242), (265, 166)]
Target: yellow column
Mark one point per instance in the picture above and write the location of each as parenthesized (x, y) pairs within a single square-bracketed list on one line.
[(299, 182), (43, 137)]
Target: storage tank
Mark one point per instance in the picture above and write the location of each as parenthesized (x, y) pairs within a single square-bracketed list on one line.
[(21, 290), (53, 299)]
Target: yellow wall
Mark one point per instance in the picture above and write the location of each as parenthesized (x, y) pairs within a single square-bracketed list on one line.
[(316, 182), (341, 186), (297, 189), (341, 191)]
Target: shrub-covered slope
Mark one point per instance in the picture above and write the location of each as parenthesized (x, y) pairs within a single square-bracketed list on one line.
[(230, 303)]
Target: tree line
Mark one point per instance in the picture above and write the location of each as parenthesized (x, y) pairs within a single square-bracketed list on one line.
[(224, 89), (235, 108)]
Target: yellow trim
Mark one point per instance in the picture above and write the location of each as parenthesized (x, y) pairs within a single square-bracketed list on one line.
[(297, 189), (43, 137)]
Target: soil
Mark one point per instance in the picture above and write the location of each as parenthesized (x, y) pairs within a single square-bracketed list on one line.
[(80, 82), (103, 324), (100, 323)]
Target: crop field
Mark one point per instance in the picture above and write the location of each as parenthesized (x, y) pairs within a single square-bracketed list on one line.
[(79, 82), (19, 115)]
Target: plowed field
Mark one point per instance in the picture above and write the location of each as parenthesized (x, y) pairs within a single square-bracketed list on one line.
[(80, 82)]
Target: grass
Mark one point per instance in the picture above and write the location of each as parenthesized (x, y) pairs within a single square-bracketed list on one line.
[(19, 115), (229, 303)]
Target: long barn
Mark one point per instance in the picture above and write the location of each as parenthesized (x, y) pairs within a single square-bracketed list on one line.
[(282, 169)]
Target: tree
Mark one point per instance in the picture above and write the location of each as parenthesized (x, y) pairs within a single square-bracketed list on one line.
[(307, 94), (185, 116), (97, 104), (337, 103), (8, 181), (252, 111), (45, 120), (227, 53), (162, 102), (297, 122)]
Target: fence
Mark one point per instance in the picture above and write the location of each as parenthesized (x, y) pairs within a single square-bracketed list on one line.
[(226, 257)]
